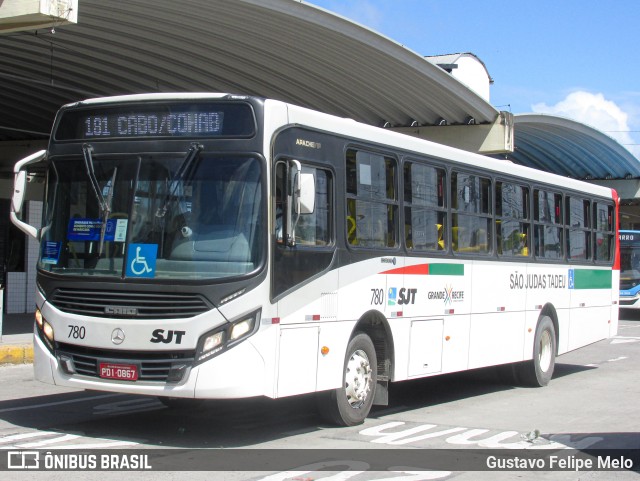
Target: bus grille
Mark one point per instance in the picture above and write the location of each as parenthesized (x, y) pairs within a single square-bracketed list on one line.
[(153, 366), (129, 305), (628, 284)]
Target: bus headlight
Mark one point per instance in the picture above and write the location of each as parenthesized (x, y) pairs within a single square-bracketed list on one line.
[(212, 341), (216, 341), (241, 328), (39, 319), (48, 331), (44, 329), (244, 326)]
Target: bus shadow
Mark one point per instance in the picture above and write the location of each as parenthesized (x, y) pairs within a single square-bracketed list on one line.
[(622, 441), (446, 388), (562, 370), (121, 419), (442, 389), (225, 423), (627, 314)]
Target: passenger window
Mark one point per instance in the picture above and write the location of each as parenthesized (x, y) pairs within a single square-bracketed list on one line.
[(512, 219), (471, 230), (548, 233), (424, 211), (604, 241), (578, 213), (372, 200)]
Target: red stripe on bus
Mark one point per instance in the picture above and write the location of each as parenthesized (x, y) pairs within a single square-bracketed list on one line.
[(616, 256), (420, 269)]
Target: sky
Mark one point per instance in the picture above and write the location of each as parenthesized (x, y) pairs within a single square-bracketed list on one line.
[(578, 59)]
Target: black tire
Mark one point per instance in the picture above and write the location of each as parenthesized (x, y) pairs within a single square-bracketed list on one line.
[(350, 404), (538, 371)]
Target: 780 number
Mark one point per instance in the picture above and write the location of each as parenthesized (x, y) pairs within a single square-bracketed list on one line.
[(377, 297), (76, 332)]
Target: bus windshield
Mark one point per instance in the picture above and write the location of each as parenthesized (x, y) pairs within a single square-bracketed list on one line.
[(193, 215), (629, 260)]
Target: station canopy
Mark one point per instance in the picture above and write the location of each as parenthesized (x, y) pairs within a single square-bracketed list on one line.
[(283, 49)]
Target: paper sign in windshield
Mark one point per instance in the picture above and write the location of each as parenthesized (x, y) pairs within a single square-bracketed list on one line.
[(89, 230), (50, 252)]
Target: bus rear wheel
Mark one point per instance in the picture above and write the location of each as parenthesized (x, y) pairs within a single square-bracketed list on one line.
[(350, 404), (538, 371)]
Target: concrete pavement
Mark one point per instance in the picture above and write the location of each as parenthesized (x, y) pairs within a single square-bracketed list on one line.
[(16, 339)]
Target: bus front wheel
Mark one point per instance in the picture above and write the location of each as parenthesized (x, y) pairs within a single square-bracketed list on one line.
[(350, 404), (539, 370)]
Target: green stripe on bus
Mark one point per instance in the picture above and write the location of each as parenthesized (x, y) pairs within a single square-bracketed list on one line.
[(446, 269), (592, 279)]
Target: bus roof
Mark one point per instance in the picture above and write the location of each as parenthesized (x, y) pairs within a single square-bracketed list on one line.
[(352, 128)]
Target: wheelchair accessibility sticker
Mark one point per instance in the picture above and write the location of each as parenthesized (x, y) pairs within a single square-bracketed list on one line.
[(141, 260)]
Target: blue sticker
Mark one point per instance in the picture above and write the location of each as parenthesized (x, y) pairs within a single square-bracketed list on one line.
[(89, 230), (141, 260), (571, 278), (393, 294), (50, 252)]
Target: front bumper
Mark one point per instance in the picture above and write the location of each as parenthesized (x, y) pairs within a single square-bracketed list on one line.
[(630, 302), (237, 373)]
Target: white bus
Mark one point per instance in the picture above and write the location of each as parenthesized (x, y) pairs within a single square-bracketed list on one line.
[(216, 246)]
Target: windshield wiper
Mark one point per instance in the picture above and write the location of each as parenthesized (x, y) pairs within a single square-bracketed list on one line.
[(192, 154), (104, 203)]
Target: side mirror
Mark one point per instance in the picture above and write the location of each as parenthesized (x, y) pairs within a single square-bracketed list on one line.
[(307, 194), (19, 192), (301, 191)]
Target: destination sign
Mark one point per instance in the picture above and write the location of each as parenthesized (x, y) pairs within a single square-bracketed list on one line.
[(629, 238), (150, 125), (204, 119)]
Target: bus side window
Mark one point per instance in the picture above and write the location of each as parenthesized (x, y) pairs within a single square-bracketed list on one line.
[(424, 212), (548, 230), (314, 228), (578, 228), (512, 219), (280, 205), (372, 218), (604, 228), (471, 213)]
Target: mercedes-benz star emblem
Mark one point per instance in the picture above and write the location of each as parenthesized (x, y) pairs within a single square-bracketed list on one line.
[(117, 336)]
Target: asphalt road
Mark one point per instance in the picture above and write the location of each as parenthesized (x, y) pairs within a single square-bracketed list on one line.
[(592, 403)]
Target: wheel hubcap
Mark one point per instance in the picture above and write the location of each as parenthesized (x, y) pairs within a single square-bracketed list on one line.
[(357, 382), (546, 351)]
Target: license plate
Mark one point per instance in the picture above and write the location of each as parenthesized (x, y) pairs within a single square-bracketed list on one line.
[(121, 372)]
